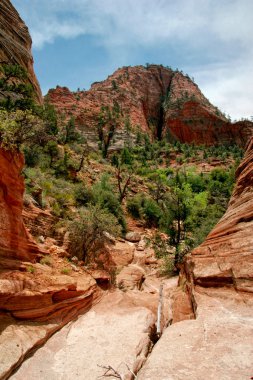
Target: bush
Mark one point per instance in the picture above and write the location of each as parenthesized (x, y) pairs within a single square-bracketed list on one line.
[(17, 127), (87, 233), (135, 206), (168, 268), (104, 196), (152, 212), (83, 195)]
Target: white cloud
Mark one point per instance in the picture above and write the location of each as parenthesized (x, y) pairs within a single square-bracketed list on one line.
[(144, 21), (229, 87)]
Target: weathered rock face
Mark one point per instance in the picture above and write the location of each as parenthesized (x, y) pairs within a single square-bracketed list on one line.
[(119, 331), (15, 43), (218, 279), (15, 243), (226, 256), (217, 345), (30, 291), (156, 100)]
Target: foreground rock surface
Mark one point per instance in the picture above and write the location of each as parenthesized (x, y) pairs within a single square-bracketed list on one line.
[(217, 345), (115, 333)]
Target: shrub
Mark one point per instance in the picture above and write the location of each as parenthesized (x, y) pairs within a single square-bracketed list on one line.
[(168, 267), (31, 269), (87, 233), (135, 206), (65, 271), (46, 260), (83, 194), (152, 212), (17, 127)]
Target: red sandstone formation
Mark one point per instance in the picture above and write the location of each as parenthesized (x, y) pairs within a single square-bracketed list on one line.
[(157, 101), (25, 295), (15, 243), (226, 256), (15, 43), (218, 280)]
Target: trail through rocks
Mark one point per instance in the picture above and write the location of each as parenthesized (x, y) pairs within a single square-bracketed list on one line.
[(117, 332)]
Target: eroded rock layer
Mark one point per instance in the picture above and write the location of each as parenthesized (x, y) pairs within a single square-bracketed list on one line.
[(15, 243), (217, 276), (15, 43), (154, 100), (30, 291), (226, 256)]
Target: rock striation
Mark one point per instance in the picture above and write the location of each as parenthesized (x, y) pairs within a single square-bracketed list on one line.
[(226, 256), (217, 277), (15, 243), (153, 100), (15, 44), (34, 300)]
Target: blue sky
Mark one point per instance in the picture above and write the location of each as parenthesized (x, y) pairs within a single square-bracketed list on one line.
[(77, 42)]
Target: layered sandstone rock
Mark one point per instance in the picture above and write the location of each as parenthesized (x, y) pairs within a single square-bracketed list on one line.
[(217, 281), (30, 291), (119, 332), (157, 101), (15, 43), (226, 256), (15, 243)]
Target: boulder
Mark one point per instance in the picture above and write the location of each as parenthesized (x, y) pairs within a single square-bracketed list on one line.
[(134, 237), (121, 253), (130, 277)]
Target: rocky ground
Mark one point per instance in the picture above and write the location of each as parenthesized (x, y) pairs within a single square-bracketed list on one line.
[(117, 332), (217, 345)]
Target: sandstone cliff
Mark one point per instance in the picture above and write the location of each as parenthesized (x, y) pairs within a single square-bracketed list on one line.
[(226, 256), (15, 43), (217, 277), (29, 290), (15, 243), (155, 100)]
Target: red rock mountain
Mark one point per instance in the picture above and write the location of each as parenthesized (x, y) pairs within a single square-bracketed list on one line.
[(156, 100), (15, 43)]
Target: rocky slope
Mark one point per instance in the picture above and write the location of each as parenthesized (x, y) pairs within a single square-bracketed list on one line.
[(218, 277), (155, 100), (15, 43), (29, 290)]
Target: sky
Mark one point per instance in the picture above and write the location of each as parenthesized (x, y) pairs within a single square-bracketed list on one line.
[(78, 42)]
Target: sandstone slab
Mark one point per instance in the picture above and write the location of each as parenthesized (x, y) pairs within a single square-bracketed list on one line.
[(113, 333), (217, 345)]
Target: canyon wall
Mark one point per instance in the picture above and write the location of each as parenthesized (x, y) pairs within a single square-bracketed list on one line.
[(217, 279), (15, 243), (15, 44), (226, 256)]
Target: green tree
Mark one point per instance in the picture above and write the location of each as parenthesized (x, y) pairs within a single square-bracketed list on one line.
[(52, 150), (87, 234), (18, 127), (16, 92), (108, 120)]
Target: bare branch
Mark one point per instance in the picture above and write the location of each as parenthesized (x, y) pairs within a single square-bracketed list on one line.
[(129, 369), (110, 372)]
